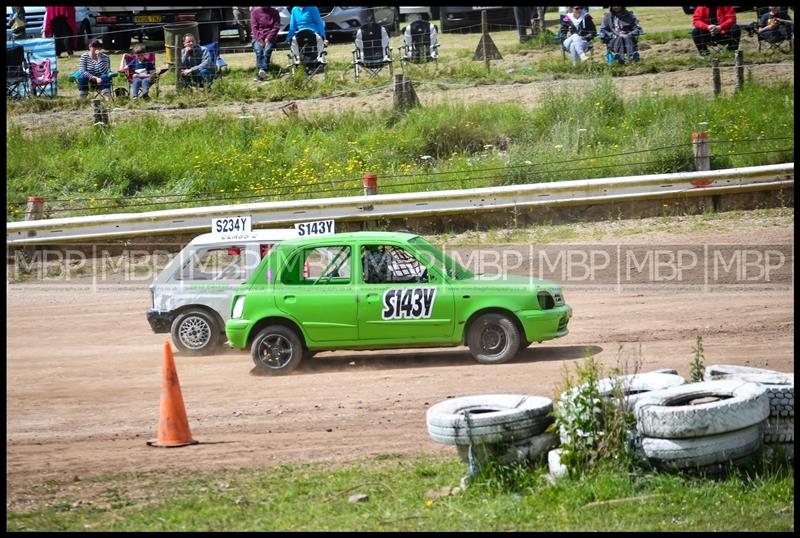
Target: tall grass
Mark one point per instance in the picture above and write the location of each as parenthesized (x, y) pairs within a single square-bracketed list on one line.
[(225, 158), (315, 497)]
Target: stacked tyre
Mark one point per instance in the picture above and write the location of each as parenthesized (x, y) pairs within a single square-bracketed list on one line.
[(702, 426), (778, 433), (502, 427), (631, 387)]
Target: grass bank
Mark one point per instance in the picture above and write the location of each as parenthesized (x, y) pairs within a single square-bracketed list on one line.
[(156, 164), (316, 498)]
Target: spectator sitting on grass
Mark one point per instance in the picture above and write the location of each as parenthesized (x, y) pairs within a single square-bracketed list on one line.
[(715, 25), (95, 68), (619, 31), (144, 73), (306, 18), (775, 26), (577, 32), (196, 64), (265, 22)]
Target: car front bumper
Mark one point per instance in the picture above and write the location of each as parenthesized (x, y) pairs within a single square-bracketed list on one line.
[(545, 324), (159, 321), (237, 330)]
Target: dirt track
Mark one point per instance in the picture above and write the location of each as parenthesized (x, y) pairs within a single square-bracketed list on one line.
[(84, 370)]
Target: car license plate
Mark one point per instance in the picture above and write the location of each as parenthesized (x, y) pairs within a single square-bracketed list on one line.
[(148, 18)]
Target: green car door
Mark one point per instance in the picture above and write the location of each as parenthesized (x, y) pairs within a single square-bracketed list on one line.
[(399, 299), (315, 289)]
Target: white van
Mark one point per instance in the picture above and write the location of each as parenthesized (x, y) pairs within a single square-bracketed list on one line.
[(192, 294)]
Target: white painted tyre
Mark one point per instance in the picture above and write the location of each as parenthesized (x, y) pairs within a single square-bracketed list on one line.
[(632, 386), (557, 469), (701, 451), (488, 418), (717, 371), (779, 430), (668, 413), (780, 385), (525, 450)]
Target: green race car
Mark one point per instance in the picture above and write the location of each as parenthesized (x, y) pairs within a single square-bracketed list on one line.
[(380, 290)]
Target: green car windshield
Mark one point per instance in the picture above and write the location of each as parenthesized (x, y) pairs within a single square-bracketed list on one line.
[(436, 257)]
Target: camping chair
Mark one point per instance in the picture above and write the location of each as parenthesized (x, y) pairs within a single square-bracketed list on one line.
[(16, 72), (372, 52), (420, 43), (564, 56), (772, 46), (44, 80), (128, 73), (304, 51), (97, 89)]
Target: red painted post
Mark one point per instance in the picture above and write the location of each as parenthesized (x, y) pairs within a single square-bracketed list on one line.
[(370, 184), (35, 208)]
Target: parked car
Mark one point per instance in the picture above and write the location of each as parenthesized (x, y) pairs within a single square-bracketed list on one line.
[(468, 18), (379, 290), (412, 13), (85, 20)]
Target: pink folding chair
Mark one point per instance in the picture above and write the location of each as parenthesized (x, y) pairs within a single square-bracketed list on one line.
[(43, 78)]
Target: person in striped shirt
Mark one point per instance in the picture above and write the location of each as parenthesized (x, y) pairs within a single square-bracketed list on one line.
[(94, 68)]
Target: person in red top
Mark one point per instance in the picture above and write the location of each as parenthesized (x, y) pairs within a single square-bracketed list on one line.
[(59, 21), (265, 23), (715, 24)]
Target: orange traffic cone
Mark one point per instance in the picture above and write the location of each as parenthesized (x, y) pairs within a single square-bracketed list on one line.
[(173, 426)]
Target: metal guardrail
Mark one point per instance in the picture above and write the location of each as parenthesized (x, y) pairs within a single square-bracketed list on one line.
[(417, 204)]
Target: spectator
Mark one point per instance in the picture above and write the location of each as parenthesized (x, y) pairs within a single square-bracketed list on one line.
[(775, 25), (17, 22), (242, 17), (577, 32), (144, 73), (196, 64), (619, 31), (524, 19), (715, 25), (265, 22), (95, 68), (307, 18), (59, 22)]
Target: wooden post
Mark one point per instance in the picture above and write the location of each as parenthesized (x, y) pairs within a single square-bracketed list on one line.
[(715, 78), (702, 160), (739, 70), (100, 112), (35, 208), (404, 95), (33, 211), (485, 32), (370, 188), (177, 60), (408, 91)]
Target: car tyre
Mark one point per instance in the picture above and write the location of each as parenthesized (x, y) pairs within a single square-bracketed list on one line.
[(277, 350), (493, 338), (197, 332), (669, 413)]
